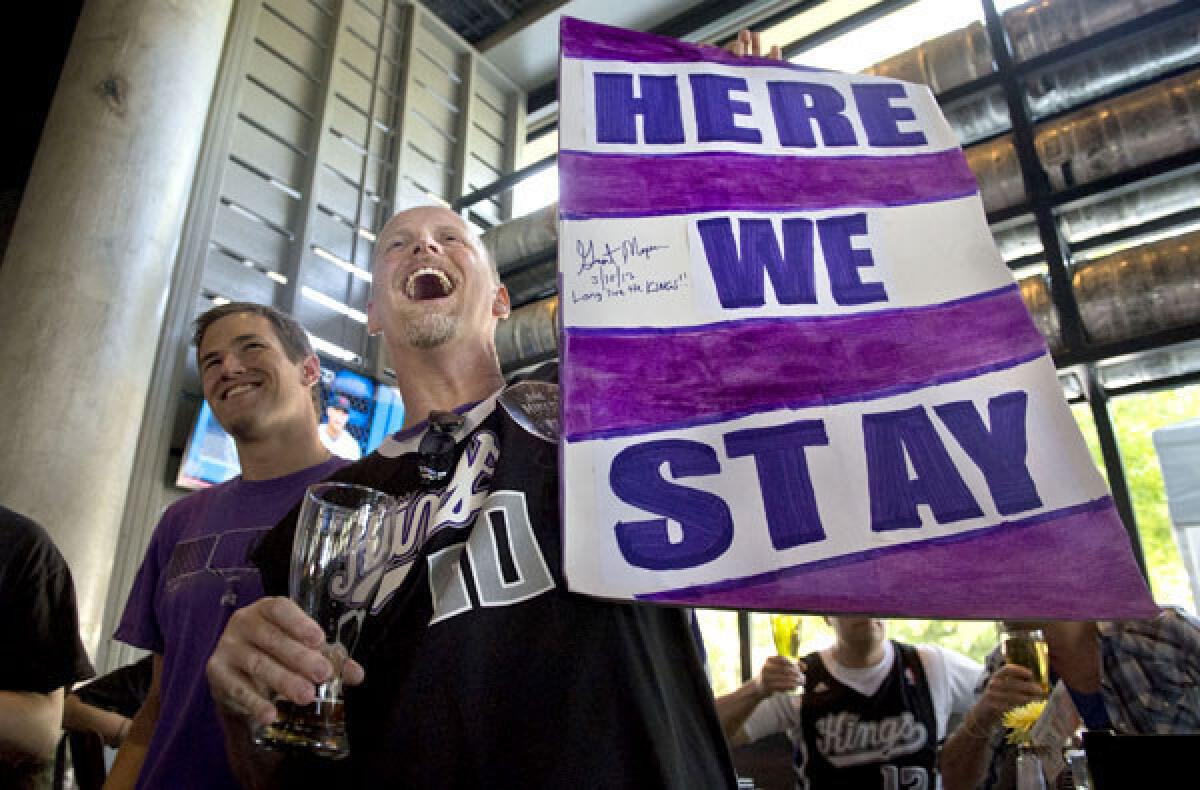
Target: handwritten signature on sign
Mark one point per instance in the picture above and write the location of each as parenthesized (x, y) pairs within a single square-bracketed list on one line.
[(607, 270), (629, 250)]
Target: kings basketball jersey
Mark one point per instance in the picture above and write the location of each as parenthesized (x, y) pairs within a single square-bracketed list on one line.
[(887, 740), (482, 669)]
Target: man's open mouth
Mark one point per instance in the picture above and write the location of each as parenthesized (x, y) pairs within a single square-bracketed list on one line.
[(428, 283)]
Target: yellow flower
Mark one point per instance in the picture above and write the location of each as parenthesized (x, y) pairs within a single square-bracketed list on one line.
[(1021, 720)]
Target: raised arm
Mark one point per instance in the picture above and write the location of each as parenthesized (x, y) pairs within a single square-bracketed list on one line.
[(777, 674), (965, 755)]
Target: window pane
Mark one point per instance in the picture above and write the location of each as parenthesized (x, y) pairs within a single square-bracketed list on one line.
[(870, 43), (1135, 417), (1087, 426), (720, 633), (975, 638), (540, 189)]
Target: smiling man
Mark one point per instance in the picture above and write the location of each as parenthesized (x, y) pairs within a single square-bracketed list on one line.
[(259, 375), (481, 668)]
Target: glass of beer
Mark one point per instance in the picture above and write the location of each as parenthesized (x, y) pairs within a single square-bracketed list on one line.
[(1024, 644), (337, 561), (785, 629)]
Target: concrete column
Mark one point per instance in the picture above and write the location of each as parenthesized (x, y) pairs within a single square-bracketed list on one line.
[(84, 283)]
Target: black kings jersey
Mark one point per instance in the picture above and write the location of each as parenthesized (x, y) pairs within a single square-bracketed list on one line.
[(482, 670), (886, 741)]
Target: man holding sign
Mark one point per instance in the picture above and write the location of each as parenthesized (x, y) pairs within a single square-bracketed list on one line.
[(687, 445)]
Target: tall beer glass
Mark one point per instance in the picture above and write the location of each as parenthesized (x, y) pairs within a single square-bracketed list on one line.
[(337, 556), (785, 630), (1024, 645)]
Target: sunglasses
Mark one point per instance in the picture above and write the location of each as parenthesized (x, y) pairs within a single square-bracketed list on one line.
[(435, 453)]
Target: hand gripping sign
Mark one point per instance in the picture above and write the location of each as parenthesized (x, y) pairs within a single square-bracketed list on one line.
[(796, 374)]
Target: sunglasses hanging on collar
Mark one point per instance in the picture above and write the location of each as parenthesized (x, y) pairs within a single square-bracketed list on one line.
[(435, 453)]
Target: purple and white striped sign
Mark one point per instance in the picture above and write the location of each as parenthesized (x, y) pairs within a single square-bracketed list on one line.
[(796, 373)]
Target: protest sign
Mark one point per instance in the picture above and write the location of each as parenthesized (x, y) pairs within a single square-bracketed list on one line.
[(796, 374)]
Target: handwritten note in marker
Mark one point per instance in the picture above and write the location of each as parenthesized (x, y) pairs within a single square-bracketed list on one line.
[(796, 374)]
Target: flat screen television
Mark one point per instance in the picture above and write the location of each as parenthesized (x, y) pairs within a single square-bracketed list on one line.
[(375, 412)]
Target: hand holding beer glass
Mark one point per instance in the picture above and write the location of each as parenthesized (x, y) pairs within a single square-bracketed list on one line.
[(340, 538), (1024, 645), (783, 676)]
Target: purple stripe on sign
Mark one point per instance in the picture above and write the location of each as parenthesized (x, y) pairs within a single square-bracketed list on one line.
[(632, 381), (629, 185), (590, 41), (999, 572)]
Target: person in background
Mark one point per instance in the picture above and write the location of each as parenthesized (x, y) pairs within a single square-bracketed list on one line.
[(872, 713), (1135, 677), (333, 431), (99, 713), (499, 678), (42, 655), (259, 375)]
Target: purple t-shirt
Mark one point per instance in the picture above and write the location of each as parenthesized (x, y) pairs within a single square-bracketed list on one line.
[(196, 573)]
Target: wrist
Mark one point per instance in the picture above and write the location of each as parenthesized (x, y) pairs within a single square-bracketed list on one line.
[(760, 691), (977, 727), (122, 733)]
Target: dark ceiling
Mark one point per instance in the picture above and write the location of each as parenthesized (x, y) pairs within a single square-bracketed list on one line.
[(475, 20), (32, 65), (33, 70)]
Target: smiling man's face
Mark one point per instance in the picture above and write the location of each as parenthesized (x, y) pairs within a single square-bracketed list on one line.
[(431, 281), (248, 380)]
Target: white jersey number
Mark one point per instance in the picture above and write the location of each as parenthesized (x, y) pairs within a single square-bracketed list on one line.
[(506, 561)]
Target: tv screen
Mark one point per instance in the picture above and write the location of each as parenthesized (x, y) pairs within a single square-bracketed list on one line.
[(373, 411)]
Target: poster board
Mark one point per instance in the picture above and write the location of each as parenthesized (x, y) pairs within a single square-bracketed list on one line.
[(796, 374)]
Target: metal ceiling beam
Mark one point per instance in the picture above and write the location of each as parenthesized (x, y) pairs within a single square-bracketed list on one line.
[(526, 17)]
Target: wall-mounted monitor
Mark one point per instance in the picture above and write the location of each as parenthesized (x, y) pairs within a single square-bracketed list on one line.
[(373, 411)]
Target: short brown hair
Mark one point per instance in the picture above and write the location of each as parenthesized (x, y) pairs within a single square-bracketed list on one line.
[(288, 331)]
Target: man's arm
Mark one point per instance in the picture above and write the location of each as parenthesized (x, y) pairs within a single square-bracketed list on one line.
[(79, 716), (132, 754), (270, 648), (965, 755), (30, 722), (777, 674)]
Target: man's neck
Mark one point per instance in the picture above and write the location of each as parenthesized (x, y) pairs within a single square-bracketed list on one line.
[(280, 454), (858, 656), (442, 379)]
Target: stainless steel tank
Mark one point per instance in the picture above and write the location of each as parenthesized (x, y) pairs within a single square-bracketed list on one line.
[(1017, 241), (1140, 290), (976, 117), (998, 172), (1145, 57), (942, 63), (1035, 291), (1167, 195), (530, 333), (522, 237), (1046, 25), (1131, 130)]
